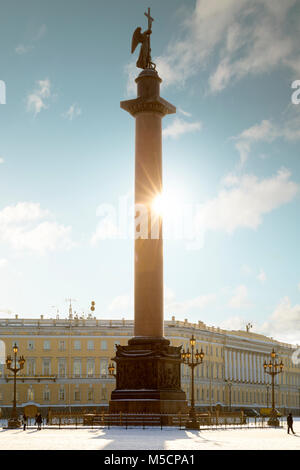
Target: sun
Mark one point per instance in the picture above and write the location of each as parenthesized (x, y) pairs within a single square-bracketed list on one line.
[(165, 203), (158, 204)]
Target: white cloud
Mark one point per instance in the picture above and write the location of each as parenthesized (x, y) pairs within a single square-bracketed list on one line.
[(1, 160), (283, 323), (3, 262), (121, 304), (185, 113), (197, 303), (267, 131), (40, 32), (262, 276), (73, 112), (124, 304), (131, 72), (179, 127), (245, 38), (233, 323), (240, 298), (245, 204), (36, 101), (22, 49), (22, 227)]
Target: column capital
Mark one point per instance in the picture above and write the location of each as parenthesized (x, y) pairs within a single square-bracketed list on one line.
[(154, 104)]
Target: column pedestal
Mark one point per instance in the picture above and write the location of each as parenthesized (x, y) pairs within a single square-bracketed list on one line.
[(148, 379)]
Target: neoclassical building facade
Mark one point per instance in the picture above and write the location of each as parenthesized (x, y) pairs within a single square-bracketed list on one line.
[(67, 363)]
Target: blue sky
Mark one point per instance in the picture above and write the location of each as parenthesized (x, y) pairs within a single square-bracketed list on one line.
[(231, 153)]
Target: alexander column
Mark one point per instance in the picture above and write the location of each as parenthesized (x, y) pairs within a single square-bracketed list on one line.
[(148, 369)]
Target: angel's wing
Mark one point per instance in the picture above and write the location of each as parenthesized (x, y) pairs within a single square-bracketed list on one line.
[(136, 39)]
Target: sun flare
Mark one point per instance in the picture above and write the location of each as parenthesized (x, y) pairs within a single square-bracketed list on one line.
[(165, 203)]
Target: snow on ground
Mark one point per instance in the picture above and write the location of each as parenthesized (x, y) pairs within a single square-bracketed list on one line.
[(150, 439)]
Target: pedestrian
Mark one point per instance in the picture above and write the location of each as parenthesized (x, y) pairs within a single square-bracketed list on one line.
[(290, 423), (24, 421), (38, 421)]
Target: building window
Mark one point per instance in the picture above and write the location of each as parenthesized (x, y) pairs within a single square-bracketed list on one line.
[(90, 394), (31, 367), (61, 394), (90, 345), (62, 368), (46, 394), (77, 345), (30, 394), (46, 345), (77, 394), (62, 345), (103, 366), (103, 392), (77, 367), (46, 367), (90, 367), (1, 396), (30, 345), (104, 345)]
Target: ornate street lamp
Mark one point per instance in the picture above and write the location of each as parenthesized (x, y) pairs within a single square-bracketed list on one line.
[(193, 360), (13, 421), (111, 370), (273, 368), (268, 387)]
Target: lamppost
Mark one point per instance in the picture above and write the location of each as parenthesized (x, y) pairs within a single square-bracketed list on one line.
[(111, 370), (193, 360), (273, 368), (268, 386), (13, 421)]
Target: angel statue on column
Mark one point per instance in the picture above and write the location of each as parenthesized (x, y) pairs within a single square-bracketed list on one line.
[(144, 60)]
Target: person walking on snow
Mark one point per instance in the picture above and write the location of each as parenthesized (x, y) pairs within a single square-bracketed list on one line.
[(39, 421), (290, 423), (24, 422)]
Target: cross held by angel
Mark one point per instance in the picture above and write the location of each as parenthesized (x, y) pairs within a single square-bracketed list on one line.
[(144, 59)]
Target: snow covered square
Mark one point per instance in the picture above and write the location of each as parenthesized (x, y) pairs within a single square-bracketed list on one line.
[(168, 439)]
